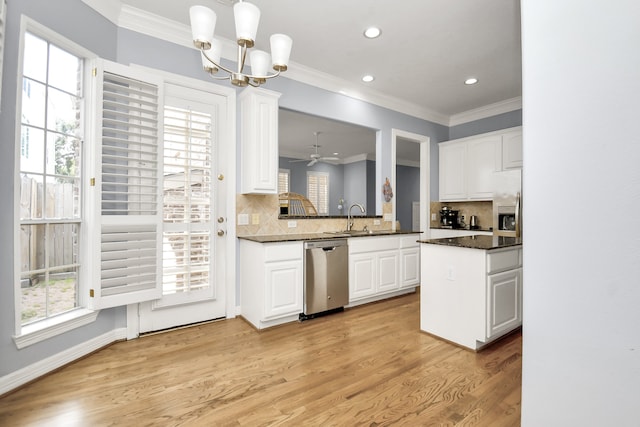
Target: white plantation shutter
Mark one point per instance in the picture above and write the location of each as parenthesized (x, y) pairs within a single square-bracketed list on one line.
[(318, 191), (283, 181), (129, 167), (188, 168)]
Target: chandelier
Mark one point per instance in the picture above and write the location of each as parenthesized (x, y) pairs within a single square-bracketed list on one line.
[(247, 16)]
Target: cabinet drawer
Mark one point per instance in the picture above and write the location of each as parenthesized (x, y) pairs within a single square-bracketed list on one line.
[(503, 260), (372, 244), (410, 241), (282, 251)]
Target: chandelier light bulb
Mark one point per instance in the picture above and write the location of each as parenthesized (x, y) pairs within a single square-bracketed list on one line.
[(203, 24), (247, 17)]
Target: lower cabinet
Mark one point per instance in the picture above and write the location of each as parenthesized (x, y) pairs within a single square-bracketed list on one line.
[(271, 282), (504, 302), (272, 275), (470, 296), (380, 267)]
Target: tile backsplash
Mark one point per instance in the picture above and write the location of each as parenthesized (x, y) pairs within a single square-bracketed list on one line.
[(483, 210), (263, 210)]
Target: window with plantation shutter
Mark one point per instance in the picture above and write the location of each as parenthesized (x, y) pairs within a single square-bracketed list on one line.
[(130, 168), (283, 181), (318, 191)]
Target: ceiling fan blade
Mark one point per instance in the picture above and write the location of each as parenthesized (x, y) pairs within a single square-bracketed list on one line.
[(331, 159), (312, 162), (299, 160)]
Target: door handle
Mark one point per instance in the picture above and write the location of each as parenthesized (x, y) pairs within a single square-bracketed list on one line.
[(220, 233)]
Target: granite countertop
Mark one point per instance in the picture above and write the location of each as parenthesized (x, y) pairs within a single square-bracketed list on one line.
[(439, 227), (477, 242), (274, 238)]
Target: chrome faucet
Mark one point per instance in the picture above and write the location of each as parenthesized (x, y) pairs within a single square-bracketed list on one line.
[(349, 218)]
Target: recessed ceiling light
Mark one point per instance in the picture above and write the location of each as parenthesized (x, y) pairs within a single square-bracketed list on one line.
[(368, 78), (372, 32), (471, 81)]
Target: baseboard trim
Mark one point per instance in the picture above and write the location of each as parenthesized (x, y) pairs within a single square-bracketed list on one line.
[(34, 371)]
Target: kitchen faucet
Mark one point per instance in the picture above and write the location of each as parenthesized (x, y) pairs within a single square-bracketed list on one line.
[(349, 218)]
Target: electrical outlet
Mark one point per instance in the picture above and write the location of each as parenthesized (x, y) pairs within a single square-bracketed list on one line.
[(243, 219), (292, 224), (376, 222), (388, 217), (433, 217), (451, 273), (255, 219)]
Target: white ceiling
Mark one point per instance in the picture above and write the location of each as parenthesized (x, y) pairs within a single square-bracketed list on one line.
[(426, 51)]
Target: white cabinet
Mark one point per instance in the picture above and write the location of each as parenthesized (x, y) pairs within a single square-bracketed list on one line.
[(409, 262), (453, 171), (470, 296), (259, 141), (512, 150), (504, 302), (380, 267), (467, 166), (485, 158), (271, 282)]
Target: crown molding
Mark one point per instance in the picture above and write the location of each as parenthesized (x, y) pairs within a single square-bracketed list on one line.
[(486, 111), (159, 27)]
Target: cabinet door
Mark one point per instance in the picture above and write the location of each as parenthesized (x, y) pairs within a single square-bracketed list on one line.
[(512, 150), (485, 158), (362, 276), (504, 302), (283, 288), (452, 172), (410, 267), (387, 271), (259, 141)]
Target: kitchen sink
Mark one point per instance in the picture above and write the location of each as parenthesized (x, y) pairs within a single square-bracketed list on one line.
[(349, 233)]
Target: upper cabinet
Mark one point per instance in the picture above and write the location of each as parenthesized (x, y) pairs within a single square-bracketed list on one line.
[(259, 141), (512, 150), (467, 166)]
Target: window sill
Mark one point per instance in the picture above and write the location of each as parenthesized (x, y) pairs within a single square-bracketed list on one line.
[(45, 329)]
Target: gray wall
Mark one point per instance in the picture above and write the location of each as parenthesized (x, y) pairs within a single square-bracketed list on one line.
[(501, 121), (355, 186), (406, 193)]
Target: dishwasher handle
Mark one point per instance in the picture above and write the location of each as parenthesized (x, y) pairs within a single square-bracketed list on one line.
[(329, 248)]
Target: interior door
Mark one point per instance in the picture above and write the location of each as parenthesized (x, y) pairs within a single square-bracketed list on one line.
[(194, 218)]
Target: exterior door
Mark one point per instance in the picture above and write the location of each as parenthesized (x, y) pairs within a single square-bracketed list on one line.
[(194, 219)]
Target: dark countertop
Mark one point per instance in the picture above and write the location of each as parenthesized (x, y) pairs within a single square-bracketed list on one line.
[(476, 242), (275, 238), (439, 227)]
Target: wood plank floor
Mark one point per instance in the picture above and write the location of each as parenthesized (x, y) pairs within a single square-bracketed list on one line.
[(368, 366)]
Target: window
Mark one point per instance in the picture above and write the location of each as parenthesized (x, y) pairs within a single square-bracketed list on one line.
[(50, 174), (318, 191), (283, 181)]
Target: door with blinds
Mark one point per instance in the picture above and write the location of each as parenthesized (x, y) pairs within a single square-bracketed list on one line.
[(193, 211)]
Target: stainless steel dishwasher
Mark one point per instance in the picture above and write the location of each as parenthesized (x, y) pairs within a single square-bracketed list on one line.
[(326, 272)]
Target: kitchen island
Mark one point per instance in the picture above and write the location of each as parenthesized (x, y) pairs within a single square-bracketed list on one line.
[(471, 288)]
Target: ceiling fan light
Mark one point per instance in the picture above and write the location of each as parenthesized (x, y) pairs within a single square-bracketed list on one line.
[(247, 17), (280, 51), (203, 25)]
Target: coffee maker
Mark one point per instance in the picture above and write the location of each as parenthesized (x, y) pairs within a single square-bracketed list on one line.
[(449, 217)]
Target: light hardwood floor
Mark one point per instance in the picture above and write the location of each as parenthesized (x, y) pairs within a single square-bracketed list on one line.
[(368, 366)]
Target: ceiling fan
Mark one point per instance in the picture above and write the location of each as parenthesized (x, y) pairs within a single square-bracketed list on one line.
[(316, 157)]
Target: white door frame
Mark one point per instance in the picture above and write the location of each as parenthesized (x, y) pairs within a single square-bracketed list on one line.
[(228, 169), (425, 182)]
